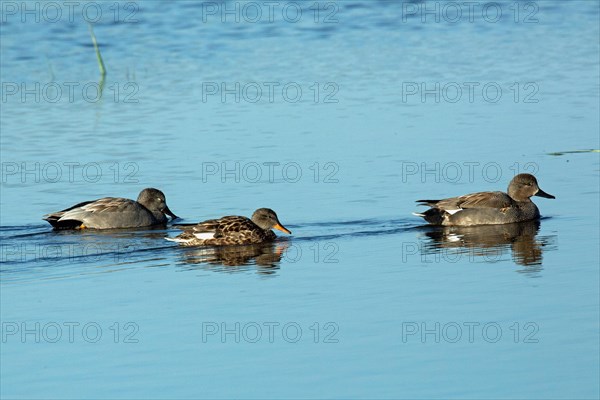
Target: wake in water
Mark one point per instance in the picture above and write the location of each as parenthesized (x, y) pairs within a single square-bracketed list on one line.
[(36, 251)]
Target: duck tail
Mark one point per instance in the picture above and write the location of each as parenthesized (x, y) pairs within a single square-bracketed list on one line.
[(434, 216), (58, 223), (430, 203)]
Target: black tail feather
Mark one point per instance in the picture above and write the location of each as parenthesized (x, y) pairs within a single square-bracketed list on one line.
[(53, 219), (434, 216), (430, 203)]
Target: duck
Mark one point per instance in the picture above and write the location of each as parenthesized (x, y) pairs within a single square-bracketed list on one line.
[(487, 208), (233, 230), (149, 209)]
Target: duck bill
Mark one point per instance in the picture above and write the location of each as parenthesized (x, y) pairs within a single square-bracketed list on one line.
[(169, 213), (282, 228), (541, 193)]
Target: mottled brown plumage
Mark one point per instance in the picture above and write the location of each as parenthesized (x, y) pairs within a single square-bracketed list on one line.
[(233, 230)]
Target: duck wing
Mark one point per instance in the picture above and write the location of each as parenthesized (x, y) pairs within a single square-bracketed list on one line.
[(54, 217), (223, 227), (497, 200), (105, 205), (88, 211)]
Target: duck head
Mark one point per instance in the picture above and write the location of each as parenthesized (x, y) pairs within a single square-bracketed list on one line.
[(154, 200), (523, 186), (266, 219)]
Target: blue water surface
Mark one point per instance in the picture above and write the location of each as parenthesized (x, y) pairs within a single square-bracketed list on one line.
[(338, 116)]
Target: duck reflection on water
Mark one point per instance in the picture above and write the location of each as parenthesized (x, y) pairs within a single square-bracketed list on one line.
[(490, 242), (266, 257)]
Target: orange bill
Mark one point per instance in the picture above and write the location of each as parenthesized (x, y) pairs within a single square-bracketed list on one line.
[(282, 228)]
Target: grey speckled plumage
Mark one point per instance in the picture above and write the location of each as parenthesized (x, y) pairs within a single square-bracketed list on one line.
[(232, 230), (487, 208), (114, 212)]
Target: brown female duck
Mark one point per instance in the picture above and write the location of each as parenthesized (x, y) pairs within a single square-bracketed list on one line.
[(233, 230)]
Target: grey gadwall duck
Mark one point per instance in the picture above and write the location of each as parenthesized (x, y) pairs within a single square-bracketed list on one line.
[(114, 212), (233, 230), (487, 208)]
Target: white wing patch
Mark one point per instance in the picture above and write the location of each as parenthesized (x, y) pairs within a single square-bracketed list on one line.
[(177, 240), (452, 212), (205, 235)]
